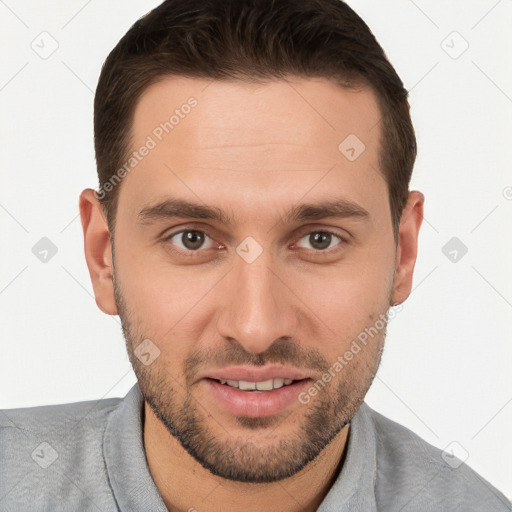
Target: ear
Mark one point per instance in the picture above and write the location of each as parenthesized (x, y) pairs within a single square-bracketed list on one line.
[(98, 250), (407, 250)]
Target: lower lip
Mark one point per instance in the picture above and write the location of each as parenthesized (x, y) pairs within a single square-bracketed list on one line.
[(256, 404)]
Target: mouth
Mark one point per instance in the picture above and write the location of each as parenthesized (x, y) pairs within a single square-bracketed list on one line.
[(264, 385), (256, 398)]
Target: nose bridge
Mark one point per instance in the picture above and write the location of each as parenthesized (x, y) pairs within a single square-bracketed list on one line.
[(257, 309)]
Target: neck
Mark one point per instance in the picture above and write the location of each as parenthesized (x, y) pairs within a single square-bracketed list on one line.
[(186, 486)]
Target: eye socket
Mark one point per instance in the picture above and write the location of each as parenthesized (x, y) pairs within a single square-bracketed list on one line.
[(191, 240), (323, 242)]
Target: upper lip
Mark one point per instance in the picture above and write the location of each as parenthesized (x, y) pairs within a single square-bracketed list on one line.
[(255, 374)]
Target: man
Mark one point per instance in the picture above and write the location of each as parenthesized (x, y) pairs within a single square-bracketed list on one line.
[(253, 223)]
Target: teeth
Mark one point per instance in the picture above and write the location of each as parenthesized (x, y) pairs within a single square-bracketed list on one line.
[(278, 383), (266, 385), (244, 385)]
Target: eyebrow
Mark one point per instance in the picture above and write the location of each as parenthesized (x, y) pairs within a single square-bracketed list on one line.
[(179, 208)]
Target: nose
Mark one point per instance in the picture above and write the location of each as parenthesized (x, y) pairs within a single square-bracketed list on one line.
[(257, 305)]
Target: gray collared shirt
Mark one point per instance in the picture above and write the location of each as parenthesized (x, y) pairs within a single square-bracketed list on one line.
[(89, 456)]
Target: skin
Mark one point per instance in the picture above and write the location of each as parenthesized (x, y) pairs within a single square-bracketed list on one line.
[(254, 151)]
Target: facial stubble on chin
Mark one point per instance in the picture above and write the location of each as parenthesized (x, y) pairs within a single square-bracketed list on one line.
[(212, 443)]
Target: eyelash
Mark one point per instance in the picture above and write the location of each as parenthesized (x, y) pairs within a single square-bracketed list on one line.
[(191, 254)]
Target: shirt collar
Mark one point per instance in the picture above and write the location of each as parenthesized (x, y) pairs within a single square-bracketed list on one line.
[(354, 489), (125, 457)]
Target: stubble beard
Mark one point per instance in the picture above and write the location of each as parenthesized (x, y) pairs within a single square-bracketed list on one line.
[(240, 458)]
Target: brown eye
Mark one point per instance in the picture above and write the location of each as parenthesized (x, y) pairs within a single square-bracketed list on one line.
[(321, 240), (190, 240)]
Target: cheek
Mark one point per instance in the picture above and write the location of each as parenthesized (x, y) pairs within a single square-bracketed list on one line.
[(166, 302), (348, 298)]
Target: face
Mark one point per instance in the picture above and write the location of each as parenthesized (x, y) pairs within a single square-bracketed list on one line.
[(251, 252)]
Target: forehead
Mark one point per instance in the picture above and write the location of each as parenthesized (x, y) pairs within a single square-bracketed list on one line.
[(244, 144), (267, 112)]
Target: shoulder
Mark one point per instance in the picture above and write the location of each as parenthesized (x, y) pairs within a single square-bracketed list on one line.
[(49, 417), (80, 422), (416, 475), (57, 448)]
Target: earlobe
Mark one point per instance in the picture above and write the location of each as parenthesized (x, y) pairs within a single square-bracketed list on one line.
[(98, 250), (407, 249)]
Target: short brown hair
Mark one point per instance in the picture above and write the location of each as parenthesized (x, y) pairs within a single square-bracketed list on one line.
[(252, 41)]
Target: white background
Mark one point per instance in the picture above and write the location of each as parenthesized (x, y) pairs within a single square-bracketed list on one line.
[(448, 360)]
